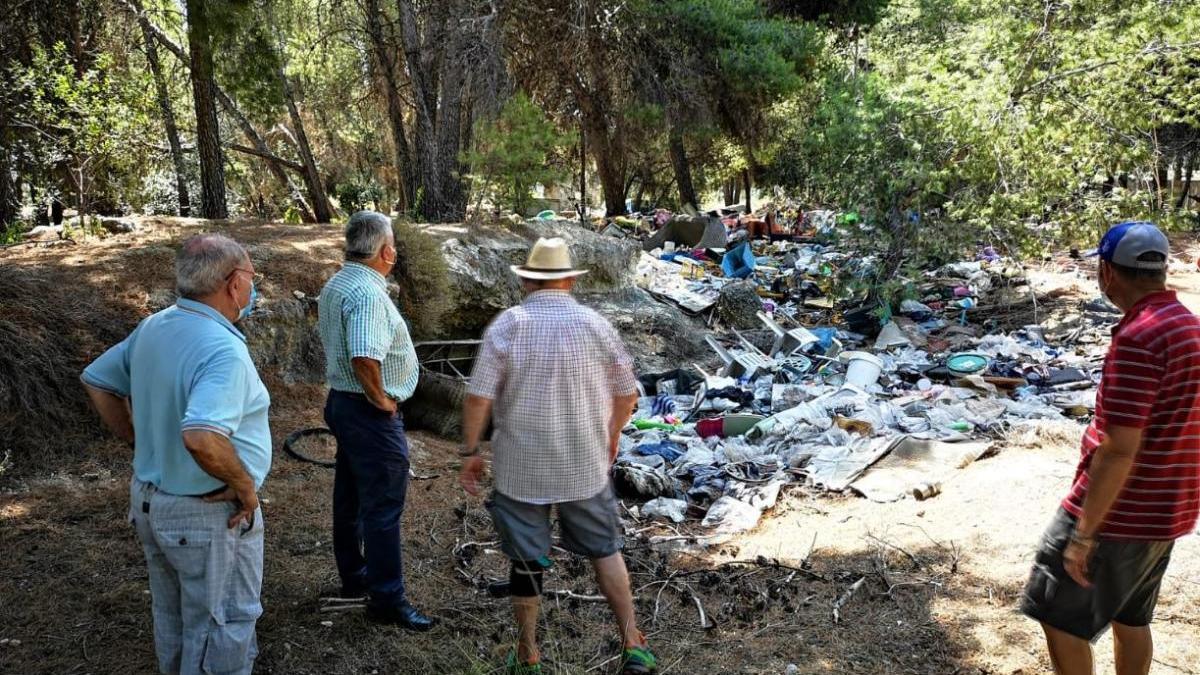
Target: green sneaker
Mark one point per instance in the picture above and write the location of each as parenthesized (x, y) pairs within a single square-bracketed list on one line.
[(638, 661), (514, 667)]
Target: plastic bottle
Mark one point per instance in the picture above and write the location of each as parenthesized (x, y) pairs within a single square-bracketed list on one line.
[(650, 424)]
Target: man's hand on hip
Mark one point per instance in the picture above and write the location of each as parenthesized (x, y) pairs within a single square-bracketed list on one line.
[(387, 405), (471, 474), (1076, 557), (246, 501)]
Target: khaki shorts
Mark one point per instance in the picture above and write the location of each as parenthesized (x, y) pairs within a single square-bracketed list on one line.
[(1125, 575), (590, 527)]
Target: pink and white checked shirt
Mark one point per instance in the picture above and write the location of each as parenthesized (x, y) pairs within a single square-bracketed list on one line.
[(551, 367)]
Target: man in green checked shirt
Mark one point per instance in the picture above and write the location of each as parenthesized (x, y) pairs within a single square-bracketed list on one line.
[(371, 368)]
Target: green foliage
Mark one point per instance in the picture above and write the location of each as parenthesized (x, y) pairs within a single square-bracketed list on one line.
[(358, 193), (424, 280), (720, 67), (1015, 124), (247, 53), (836, 13), (88, 126), (512, 153)]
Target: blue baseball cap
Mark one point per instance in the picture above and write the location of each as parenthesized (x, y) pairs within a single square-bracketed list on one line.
[(1124, 243)]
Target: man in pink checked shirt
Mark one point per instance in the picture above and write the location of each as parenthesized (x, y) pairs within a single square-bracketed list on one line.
[(555, 380)]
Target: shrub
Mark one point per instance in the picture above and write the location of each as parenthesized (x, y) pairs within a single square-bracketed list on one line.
[(424, 280)]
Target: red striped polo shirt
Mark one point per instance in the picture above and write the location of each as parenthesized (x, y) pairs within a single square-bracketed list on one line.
[(1151, 380)]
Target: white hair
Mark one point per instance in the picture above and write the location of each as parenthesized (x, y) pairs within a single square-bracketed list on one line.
[(204, 262), (366, 233)]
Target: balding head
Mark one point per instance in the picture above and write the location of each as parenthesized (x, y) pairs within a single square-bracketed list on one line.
[(204, 263)]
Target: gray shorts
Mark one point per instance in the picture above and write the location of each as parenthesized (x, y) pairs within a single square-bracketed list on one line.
[(590, 527), (1126, 576)]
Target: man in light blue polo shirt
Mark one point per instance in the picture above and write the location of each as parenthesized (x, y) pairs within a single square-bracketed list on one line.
[(372, 368), (183, 391)]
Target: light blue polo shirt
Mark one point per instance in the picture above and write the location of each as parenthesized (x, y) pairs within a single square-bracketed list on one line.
[(183, 368)]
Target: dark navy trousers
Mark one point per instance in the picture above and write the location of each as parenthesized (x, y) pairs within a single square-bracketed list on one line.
[(369, 487)]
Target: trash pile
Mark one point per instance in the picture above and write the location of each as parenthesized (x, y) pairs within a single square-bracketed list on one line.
[(886, 402)]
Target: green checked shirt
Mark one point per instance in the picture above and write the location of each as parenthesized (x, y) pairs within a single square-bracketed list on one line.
[(356, 318)]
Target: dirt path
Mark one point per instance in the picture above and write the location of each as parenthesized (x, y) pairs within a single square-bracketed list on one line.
[(942, 578)]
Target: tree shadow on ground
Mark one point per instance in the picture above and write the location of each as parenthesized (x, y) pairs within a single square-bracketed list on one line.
[(74, 584)]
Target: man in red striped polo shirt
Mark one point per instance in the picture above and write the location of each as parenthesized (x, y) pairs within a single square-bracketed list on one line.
[(1137, 488)]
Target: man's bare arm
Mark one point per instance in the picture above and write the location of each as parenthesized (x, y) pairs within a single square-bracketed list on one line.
[(622, 411), (1107, 474), (370, 376), (477, 410), (215, 454), (114, 411)]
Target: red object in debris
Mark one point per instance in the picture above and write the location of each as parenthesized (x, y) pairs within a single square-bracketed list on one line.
[(710, 427)]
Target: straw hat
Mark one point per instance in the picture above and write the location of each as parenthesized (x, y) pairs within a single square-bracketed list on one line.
[(548, 259)]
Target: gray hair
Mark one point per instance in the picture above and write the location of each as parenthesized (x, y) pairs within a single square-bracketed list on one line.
[(366, 233), (204, 262)]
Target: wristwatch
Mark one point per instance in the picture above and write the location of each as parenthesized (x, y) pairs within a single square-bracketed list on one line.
[(1082, 539), (465, 452)]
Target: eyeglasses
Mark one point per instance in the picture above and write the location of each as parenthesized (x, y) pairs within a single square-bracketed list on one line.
[(255, 277)]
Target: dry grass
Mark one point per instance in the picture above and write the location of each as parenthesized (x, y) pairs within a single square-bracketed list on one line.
[(63, 306), (76, 593), (49, 328)]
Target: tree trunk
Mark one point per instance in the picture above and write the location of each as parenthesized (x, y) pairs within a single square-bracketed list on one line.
[(252, 135), (10, 190), (8, 197), (208, 131), (746, 185), (583, 208), (450, 135), (610, 166), (164, 104), (437, 70), (383, 49), (424, 135), (683, 171), (1187, 181), (312, 177), (637, 196), (263, 150), (612, 181)]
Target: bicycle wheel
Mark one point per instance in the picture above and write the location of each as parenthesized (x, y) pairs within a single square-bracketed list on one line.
[(315, 446)]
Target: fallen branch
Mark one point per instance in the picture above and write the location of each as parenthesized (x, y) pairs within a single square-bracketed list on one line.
[(704, 622), (915, 561), (294, 166), (341, 605), (572, 595), (845, 597)]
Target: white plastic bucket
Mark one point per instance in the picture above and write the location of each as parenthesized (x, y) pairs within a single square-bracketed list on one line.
[(862, 368)]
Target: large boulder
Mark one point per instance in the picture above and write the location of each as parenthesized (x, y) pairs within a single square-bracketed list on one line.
[(658, 336), (484, 285), (282, 336), (738, 305)]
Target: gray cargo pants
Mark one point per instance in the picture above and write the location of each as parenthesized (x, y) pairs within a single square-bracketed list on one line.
[(205, 581)]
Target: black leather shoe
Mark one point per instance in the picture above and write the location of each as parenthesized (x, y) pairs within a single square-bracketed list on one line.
[(353, 591), (405, 616)]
